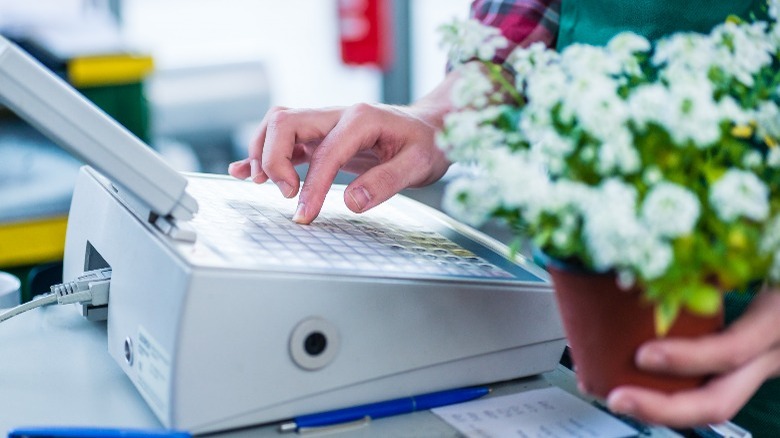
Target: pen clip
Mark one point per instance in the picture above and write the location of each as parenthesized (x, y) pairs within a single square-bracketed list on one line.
[(340, 427)]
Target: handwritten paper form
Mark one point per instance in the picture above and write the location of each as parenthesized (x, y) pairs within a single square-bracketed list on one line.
[(542, 413)]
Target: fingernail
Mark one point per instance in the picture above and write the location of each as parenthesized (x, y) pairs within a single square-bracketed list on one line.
[(237, 163), (254, 167), (620, 405), (286, 189), (360, 197), (651, 357), (300, 214)]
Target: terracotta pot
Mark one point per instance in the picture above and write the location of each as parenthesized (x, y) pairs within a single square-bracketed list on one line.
[(605, 325)]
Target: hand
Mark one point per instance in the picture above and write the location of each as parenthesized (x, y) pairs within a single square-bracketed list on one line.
[(740, 358), (389, 147)]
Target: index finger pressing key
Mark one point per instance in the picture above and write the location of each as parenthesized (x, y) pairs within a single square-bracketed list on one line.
[(358, 128)]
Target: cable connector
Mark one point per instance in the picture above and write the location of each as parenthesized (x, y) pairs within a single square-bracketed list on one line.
[(90, 288)]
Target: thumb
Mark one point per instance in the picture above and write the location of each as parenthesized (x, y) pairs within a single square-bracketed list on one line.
[(411, 167), (751, 335)]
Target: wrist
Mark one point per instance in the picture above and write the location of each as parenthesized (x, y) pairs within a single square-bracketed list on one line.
[(434, 106)]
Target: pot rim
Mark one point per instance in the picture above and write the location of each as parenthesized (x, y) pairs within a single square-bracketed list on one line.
[(545, 260)]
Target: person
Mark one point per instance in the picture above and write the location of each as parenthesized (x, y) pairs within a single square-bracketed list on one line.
[(391, 148)]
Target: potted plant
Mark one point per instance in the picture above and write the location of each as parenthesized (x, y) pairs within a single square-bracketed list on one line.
[(651, 169)]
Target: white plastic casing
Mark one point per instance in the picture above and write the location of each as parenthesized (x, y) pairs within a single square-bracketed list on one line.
[(77, 125), (217, 346)]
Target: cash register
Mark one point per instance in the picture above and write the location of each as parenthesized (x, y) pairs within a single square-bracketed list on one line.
[(224, 313)]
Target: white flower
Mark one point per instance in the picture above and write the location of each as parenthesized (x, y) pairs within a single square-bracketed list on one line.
[(670, 210), (471, 200), (773, 157), (546, 89), (566, 160), (743, 49), (468, 134), (647, 104), (620, 192), (731, 110), (692, 114), (561, 238), (589, 99), (551, 150), (624, 46), (617, 238), (588, 154), (472, 89), (609, 237), (566, 200), (628, 43), (610, 224), (536, 57), (626, 279), (522, 181), (594, 102), (740, 193), (774, 8), (767, 118), (652, 175), (470, 39), (752, 159), (584, 59), (685, 57), (617, 154), (651, 257)]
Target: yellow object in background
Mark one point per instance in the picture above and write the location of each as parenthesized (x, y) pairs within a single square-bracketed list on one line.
[(32, 241), (92, 71), (115, 83)]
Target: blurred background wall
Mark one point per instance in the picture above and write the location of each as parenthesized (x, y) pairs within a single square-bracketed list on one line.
[(296, 41)]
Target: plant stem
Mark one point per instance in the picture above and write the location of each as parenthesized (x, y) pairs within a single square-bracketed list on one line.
[(497, 74)]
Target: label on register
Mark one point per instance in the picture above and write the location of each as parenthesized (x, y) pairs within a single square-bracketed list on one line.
[(153, 368)]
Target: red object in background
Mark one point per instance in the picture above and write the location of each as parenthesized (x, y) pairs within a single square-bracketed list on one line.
[(365, 32)]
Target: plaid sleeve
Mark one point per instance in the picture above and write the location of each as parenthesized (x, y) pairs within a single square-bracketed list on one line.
[(522, 22)]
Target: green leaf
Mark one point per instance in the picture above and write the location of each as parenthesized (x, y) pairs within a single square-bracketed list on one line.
[(736, 272), (703, 299), (666, 312)]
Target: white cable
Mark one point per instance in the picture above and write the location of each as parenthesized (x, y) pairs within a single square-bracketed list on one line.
[(91, 287), (41, 301)]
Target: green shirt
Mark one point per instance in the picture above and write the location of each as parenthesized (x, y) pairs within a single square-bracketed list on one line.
[(596, 21)]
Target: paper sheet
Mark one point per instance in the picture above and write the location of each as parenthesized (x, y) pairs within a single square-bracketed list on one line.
[(549, 413)]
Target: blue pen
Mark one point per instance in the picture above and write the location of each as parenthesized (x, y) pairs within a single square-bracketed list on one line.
[(384, 409), (94, 432)]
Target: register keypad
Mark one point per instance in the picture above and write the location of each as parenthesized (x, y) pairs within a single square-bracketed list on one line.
[(235, 225)]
